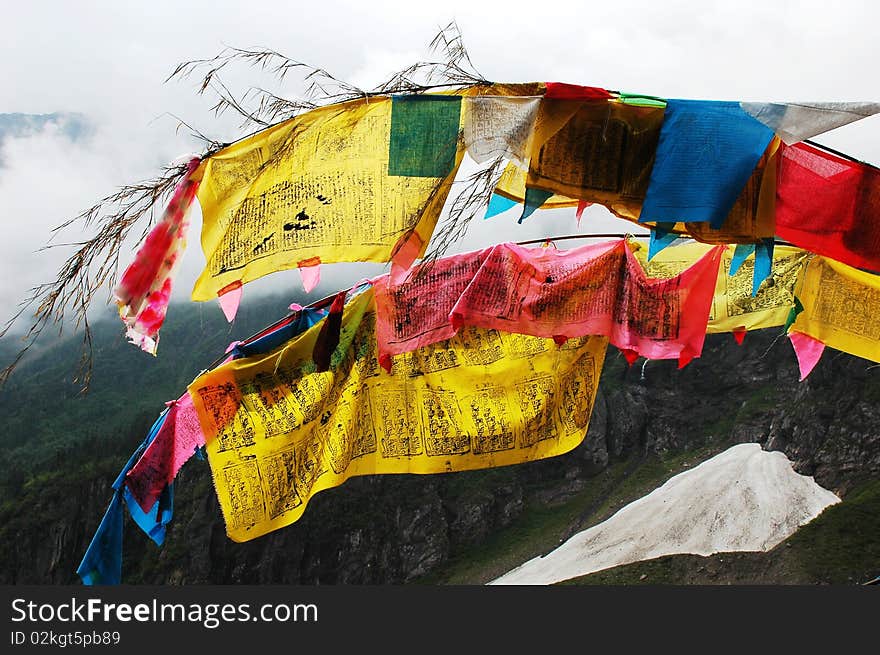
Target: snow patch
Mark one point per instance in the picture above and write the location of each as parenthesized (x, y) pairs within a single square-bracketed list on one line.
[(744, 499)]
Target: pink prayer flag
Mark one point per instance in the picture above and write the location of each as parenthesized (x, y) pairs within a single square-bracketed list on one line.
[(310, 272), (229, 298), (808, 351), (544, 292), (176, 441), (594, 290), (416, 313), (144, 290), (667, 318), (599, 289)]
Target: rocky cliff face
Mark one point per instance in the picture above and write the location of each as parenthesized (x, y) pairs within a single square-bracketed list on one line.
[(398, 529)]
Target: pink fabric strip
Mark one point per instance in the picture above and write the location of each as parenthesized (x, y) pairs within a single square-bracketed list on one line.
[(405, 254), (144, 291), (416, 313), (310, 272), (808, 350), (176, 442), (579, 214), (667, 318), (229, 299), (544, 292), (597, 289)]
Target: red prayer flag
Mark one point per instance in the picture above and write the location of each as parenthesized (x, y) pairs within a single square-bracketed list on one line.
[(563, 91), (829, 205)]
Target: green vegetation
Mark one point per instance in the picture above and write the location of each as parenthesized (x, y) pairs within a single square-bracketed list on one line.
[(48, 421), (61, 450)]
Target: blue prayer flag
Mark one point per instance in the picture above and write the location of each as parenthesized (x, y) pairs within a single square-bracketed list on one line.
[(706, 154), (498, 205)]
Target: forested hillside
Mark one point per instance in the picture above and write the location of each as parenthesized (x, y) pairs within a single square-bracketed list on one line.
[(61, 450)]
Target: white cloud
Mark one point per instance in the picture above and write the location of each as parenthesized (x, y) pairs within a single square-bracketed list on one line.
[(108, 61)]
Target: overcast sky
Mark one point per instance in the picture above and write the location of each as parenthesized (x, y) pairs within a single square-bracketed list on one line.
[(107, 61)]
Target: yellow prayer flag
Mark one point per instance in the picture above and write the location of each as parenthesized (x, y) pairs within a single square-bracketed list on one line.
[(277, 432), (343, 183), (733, 305), (841, 308)]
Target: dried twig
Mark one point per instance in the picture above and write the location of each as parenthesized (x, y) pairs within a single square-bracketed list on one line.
[(454, 70), (473, 198), (93, 264), (95, 261)]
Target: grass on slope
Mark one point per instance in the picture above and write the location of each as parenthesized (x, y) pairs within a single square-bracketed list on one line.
[(840, 546)]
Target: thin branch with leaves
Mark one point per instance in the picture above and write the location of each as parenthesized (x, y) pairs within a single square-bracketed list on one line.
[(95, 262), (471, 199)]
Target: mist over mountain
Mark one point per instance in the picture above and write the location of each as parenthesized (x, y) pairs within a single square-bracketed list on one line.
[(73, 126)]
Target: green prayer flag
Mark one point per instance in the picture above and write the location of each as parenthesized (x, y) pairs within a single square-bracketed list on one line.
[(424, 135), (792, 315)]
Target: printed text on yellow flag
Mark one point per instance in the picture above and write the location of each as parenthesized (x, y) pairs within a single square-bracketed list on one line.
[(278, 432)]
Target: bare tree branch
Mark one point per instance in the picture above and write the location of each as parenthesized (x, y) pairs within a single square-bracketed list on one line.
[(95, 262), (472, 198)]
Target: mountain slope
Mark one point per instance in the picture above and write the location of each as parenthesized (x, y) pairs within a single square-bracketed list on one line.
[(60, 452)]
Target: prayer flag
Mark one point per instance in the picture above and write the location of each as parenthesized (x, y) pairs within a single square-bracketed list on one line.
[(829, 205), (808, 351), (496, 126), (603, 152), (278, 432), (733, 305), (841, 308), (706, 154), (144, 291), (346, 182), (797, 121)]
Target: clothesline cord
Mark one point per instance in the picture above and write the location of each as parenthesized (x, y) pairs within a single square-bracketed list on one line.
[(323, 302)]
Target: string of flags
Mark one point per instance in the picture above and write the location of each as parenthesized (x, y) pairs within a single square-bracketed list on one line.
[(490, 357)]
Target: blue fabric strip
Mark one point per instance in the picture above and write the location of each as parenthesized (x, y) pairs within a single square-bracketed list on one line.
[(763, 263), (102, 563), (498, 205), (740, 254), (307, 318), (660, 238), (706, 154), (533, 200), (154, 522)]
